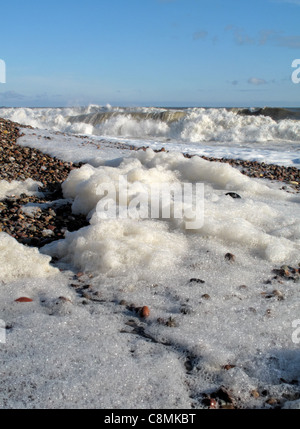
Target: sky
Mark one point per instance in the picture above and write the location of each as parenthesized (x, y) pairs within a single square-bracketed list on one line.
[(206, 53)]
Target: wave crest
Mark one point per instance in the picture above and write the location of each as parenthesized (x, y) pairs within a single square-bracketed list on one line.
[(194, 125)]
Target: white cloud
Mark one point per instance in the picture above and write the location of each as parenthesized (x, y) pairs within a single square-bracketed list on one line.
[(256, 81), (289, 41), (266, 36), (7, 95), (287, 1), (240, 37), (277, 38), (200, 35)]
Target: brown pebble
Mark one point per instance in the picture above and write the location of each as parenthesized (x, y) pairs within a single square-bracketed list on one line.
[(145, 312), (243, 287), (228, 367), (80, 274), (271, 401), (230, 257), (213, 404), (63, 298), (23, 299), (255, 394), (279, 294), (228, 407), (205, 296)]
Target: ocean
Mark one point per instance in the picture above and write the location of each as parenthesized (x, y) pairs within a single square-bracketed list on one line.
[(246, 133), (218, 272)]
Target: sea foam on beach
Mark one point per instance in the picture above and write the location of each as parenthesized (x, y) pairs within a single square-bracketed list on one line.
[(16, 188), (261, 227), (220, 316), (18, 261)]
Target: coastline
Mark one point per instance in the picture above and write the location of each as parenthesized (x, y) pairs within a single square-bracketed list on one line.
[(79, 292), (20, 163)]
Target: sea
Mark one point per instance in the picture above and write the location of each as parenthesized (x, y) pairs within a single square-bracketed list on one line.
[(220, 278), (245, 133)]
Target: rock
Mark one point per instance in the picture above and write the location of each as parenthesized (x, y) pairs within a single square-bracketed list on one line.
[(230, 257), (205, 296), (278, 294), (64, 299), (80, 274), (233, 195), (197, 281), (186, 309), (23, 299), (254, 393), (243, 287), (145, 312), (275, 293), (171, 322), (228, 367), (272, 401), (213, 404), (223, 394)]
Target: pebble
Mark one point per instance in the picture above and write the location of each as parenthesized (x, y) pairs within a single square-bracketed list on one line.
[(186, 309), (205, 296), (170, 322), (289, 175), (255, 394), (272, 401), (213, 403), (228, 367), (278, 294), (230, 257), (145, 312), (243, 287), (20, 163), (221, 398), (233, 195), (197, 281), (23, 299)]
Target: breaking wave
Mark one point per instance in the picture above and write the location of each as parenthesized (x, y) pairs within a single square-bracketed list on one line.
[(194, 125)]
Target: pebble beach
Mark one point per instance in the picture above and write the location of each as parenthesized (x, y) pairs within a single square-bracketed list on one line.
[(19, 163), (138, 329)]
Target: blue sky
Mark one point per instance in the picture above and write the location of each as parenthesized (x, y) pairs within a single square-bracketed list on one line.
[(150, 52)]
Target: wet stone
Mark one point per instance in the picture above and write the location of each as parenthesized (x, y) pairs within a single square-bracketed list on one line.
[(20, 163)]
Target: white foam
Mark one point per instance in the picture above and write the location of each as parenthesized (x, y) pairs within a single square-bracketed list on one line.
[(18, 261), (226, 126), (199, 124), (115, 247), (209, 132), (76, 346), (262, 227), (16, 188)]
